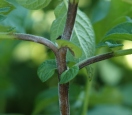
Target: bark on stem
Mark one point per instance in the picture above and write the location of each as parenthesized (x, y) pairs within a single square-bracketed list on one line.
[(61, 58), (71, 15), (101, 57), (63, 88), (37, 39), (95, 59)]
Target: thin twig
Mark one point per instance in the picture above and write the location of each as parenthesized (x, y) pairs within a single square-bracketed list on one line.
[(37, 39), (101, 57), (94, 59)]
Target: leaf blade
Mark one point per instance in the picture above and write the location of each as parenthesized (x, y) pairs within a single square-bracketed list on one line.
[(57, 26), (2, 17), (122, 31), (34, 4), (75, 49), (5, 7), (46, 70), (84, 39), (82, 35), (69, 74)]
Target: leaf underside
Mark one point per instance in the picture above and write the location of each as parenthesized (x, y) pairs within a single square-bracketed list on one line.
[(5, 9), (82, 35)]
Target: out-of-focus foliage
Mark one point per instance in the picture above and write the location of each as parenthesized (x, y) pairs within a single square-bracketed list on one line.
[(22, 92), (34, 5), (5, 7), (115, 15)]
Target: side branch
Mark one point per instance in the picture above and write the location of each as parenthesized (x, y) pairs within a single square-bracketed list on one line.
[(101, 57), (37, 39)]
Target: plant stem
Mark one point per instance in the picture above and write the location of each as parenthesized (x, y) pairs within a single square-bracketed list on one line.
[(86, 97), (37, 39), (33, 38), (71, 15), (122, 52), (63, 88), (93, 60), (101, 57), (61, 59)]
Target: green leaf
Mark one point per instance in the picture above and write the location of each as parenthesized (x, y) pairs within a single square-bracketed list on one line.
[(69, 74), (119, 9), (5, 7), (5, 30), (2, 17), (111, 44), (82, 35), (5, 36), (120, 32), (57, 26), (77, 52), (18, 20), (46, 70), (34, 4)]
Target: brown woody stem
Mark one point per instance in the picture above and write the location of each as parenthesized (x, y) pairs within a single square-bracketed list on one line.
[(61, 58), (37, 39), (71, 15), (105, 56), (94, 59)]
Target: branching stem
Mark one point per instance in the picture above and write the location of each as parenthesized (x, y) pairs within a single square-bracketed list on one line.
[(101, 57), (37, 39), (61, 58)]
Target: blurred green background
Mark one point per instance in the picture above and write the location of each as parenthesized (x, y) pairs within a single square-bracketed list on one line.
[(22, 92)]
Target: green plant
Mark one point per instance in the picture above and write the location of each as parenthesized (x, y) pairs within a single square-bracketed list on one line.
[(72, 41)]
